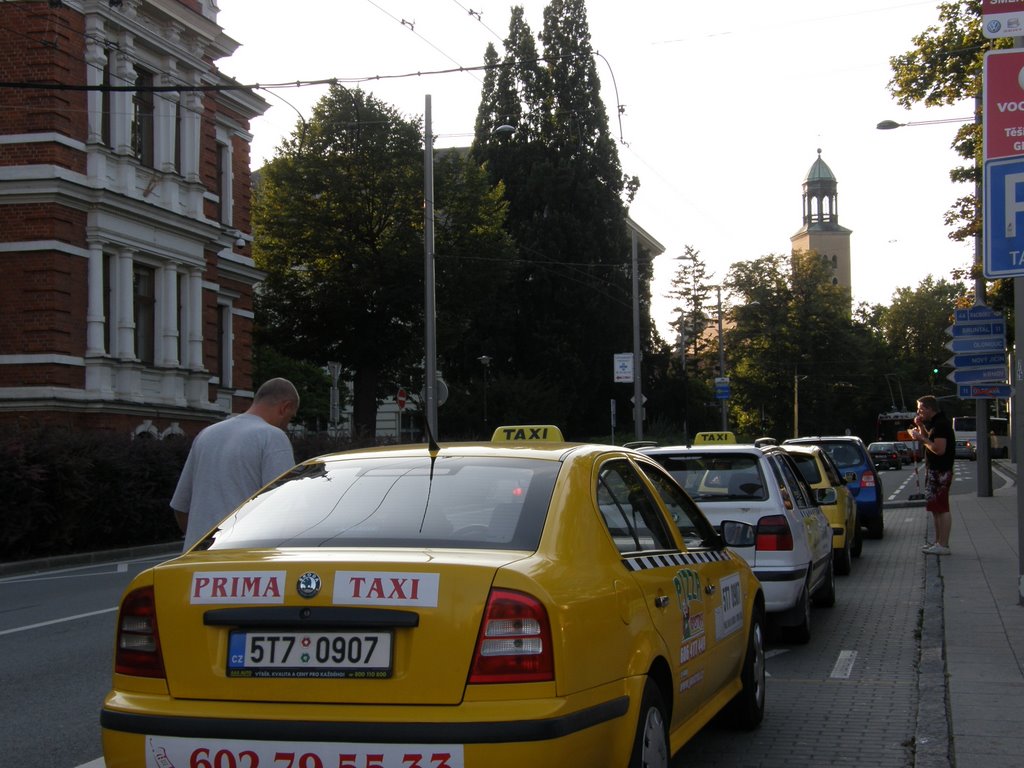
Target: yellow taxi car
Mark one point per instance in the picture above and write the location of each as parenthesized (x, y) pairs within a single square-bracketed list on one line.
[(525, 601), (836, 502)]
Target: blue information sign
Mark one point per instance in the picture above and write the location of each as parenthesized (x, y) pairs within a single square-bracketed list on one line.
[(977, 344), (978, 312), (976, 361), (991, 328), (985, 391), (994, 375), (1003, 196)]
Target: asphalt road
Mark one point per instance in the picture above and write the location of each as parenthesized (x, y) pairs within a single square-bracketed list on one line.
[(849, 697)]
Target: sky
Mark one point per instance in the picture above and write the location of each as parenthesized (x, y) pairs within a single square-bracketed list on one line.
[(718, 107)]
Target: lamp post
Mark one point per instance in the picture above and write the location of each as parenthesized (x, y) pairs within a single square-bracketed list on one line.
[(797, 378), (721, 361), (429, 306), (486, 361), (984, 471)]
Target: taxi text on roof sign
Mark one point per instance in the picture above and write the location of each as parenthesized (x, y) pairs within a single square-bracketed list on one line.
[(703, 438), (544, 433)]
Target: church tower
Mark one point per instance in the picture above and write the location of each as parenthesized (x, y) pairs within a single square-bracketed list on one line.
[(821, 232)]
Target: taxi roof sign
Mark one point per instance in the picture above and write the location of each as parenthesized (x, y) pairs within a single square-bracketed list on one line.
[(542, 433), (713, 438)]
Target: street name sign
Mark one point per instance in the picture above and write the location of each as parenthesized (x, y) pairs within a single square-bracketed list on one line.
[(985, 391)]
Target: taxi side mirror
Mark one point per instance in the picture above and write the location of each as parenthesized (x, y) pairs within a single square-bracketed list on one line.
[(826, 495), (737, 534)]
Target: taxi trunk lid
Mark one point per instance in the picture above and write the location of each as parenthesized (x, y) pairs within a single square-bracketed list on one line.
[(280, 625)]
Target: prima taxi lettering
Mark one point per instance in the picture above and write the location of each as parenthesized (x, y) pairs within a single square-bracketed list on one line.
[(377, 588), (237, 587)]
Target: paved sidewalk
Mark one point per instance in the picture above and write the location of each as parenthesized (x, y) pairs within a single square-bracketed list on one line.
[(980, 637)]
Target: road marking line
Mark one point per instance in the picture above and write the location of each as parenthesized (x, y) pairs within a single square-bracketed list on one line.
[(56, 621), (844, 664)]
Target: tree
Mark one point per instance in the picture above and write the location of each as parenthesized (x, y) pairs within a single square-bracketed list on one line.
[(337, 226), (913, 330), (570, 303), (691, 290), (945, 67), (791, 321)]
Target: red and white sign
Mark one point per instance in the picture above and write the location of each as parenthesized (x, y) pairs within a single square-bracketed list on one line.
[(401, 399), (1002, 18), (1004, 103), (237, 587), (385, 588)]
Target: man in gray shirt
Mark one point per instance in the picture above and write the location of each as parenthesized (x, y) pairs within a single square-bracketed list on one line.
[(234, 458)]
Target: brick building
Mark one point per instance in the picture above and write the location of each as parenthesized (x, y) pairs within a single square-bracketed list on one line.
[(126, 278)]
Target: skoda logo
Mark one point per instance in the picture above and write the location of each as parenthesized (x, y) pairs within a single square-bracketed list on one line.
[(308, 584)]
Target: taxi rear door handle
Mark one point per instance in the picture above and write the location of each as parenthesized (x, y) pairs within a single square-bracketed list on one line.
[(661, 601), (710, 589)]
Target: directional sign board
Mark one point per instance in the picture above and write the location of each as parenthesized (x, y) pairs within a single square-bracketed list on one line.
[(994, 374), (990, 328), (961, 362), (977, 312), (722, 389), (977, 344), (985, 391)]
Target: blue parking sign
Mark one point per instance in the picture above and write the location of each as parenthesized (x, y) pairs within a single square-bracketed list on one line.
[(1004, 218)]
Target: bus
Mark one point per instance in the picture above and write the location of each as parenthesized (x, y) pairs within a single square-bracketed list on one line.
[(966, 428), (892, 423)]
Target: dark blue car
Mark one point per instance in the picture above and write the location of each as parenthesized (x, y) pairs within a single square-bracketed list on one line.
[(851, 455)]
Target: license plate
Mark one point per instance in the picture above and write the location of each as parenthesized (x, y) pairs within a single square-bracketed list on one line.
[(171, 751), (309, 654)]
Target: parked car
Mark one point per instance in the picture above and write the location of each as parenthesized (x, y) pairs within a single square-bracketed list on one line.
[(835, 500), (851, 456), (965, 449), (521, 602), (762, 486), (885, 456)]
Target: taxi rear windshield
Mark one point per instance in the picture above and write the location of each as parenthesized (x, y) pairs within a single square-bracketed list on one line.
[(452, 502), (717, 476)]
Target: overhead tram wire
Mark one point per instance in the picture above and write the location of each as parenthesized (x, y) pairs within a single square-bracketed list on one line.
[(411, 26)]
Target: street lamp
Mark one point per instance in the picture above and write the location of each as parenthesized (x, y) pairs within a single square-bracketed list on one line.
[(797, 378), (429, 307), (721, 361), (486, 361), (888, 125)]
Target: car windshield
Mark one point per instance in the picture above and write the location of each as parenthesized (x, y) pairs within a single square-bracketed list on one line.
[(717, 476), (844, 454), (453, 502), (808, 467)]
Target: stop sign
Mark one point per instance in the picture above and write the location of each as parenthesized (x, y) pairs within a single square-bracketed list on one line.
[(400, 398)]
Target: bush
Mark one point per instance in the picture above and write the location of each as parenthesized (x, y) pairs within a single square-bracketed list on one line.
[(67, 492)]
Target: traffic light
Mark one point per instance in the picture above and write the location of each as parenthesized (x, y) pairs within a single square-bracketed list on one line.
[(935, 370)]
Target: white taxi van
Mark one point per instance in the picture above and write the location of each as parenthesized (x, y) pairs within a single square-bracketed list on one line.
[(525, 601)]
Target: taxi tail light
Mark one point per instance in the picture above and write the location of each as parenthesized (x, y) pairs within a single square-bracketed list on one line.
[(138, 642), (514, 644), (773, 534)]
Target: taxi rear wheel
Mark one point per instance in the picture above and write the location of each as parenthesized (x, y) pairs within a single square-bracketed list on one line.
[(844, 558), (747, 709), (650, 747)]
